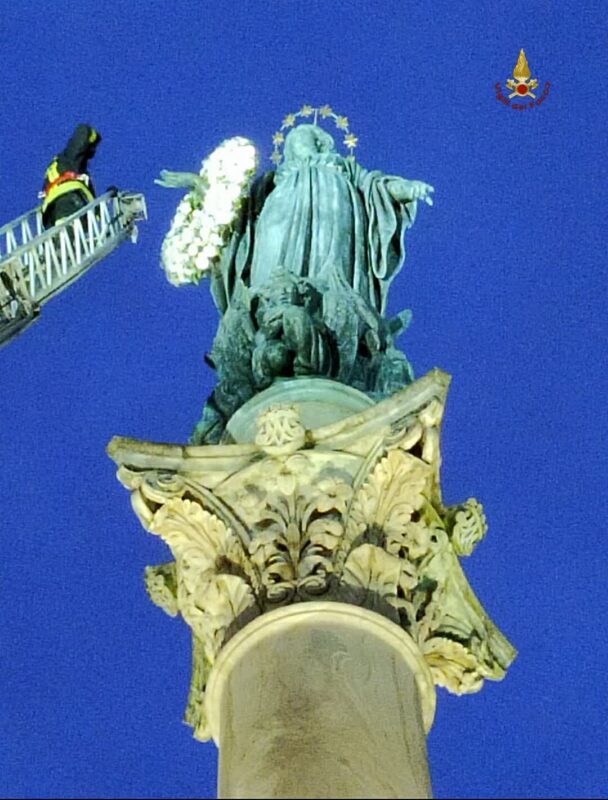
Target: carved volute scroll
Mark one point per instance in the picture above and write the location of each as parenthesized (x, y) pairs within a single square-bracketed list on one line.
[(351, 512)]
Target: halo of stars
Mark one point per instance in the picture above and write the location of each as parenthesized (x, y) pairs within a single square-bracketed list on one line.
[(325, 112)]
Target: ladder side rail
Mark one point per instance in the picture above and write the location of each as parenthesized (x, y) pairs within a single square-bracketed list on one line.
[(105, 221), (36, 262), (26, 275), (11, 241), (92, 226), (57, 261), (54, 259), (63, 258), (114, 219), (17, 249), (17, 232), (44, 264), (79, 239), (119, 221), (98, 222), (32, 220), (43, 260), (78, 248), (39, 226), (58, 255), (51, 261), (47, 261), (102, 223), (18, 220), (71, 263), (27, 235), (86, 263), (110, 217), (32, 264), (114, 210), (33, 260)]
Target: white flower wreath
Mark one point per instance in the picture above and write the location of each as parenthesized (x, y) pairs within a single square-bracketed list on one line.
[(204, 218)]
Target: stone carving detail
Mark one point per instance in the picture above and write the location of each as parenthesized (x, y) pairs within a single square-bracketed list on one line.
[(469, 526), (280, 430), (161, 585), (351, 513)]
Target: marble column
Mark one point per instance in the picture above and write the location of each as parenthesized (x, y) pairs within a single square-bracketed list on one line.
[(319, 571), (321, 700)]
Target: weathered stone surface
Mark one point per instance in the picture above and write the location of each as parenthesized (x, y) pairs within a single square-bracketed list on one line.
[(319, 700), (350, 512)]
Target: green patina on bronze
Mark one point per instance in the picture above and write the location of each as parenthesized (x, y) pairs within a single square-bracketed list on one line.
[(303, 281)]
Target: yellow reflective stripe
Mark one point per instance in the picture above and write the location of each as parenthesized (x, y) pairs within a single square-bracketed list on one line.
[(52, 172), (64, 188)]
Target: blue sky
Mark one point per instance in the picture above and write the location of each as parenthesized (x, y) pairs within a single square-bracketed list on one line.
[(505, 277)]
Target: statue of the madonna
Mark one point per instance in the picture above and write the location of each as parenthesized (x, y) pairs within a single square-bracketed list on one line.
[(302, 278)]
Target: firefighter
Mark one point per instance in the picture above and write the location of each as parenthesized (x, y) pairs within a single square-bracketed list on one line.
[(67, 184)]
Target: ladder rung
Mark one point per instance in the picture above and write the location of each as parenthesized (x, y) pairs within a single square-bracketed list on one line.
[(40, 263)]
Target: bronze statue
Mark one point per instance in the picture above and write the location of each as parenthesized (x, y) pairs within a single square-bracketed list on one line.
[(302, 279)]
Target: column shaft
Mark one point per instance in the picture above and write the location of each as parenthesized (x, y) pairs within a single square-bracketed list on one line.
[(319, 705)]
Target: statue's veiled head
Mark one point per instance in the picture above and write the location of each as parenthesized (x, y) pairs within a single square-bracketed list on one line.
[(306, 141)]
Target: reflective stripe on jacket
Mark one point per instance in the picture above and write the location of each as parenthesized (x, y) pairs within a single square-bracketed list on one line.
[(58, 184)]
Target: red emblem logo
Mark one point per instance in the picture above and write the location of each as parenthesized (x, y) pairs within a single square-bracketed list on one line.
[(521, 86)]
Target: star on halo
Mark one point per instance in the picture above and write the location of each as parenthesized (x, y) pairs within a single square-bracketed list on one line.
[(307, 111)]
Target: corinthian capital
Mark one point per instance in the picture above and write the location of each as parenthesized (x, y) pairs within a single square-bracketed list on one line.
[(350, 512)]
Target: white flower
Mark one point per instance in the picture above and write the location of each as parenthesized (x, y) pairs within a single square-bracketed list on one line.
[(203, 220)]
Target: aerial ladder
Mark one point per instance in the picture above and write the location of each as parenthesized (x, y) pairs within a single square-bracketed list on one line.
[(36, 264)]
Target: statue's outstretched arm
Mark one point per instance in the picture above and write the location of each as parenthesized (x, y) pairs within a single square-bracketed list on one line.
[(180, 180), (403, 191)]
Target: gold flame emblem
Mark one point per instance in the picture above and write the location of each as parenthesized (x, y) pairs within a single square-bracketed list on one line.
[(521, 84)]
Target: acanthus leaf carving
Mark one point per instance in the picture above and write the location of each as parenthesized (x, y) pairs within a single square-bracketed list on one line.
[(161, 585), (452, 665), (375, 575), (206, 552), (468, 525), (298, 518), (384, 503), (294, 535)]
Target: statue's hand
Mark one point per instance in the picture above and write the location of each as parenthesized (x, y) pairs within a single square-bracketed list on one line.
[(179, 180), (404, 191)]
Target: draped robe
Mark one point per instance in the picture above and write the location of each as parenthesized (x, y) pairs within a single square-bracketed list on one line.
[(324, 218)]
